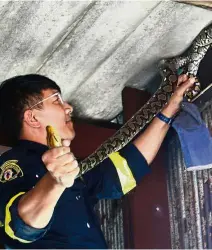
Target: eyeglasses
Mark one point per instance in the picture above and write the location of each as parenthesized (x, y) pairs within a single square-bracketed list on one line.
[(55, 94)]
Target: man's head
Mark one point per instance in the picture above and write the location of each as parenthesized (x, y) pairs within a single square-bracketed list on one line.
[(28, 104)]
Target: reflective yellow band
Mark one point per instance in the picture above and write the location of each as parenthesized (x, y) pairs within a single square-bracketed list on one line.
[(124, 172), (8, 219)]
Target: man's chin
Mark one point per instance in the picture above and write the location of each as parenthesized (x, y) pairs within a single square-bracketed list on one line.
[(70, 136), (66, 137), (73, 136), (70, 132)]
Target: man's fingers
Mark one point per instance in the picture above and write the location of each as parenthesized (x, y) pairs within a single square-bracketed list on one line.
[(185, 86), (55, 153), (181, 79), (65, 159), (74, 170), (68, 179), (67, 169)]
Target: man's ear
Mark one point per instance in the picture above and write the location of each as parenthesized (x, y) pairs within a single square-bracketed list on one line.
[(30, 119)]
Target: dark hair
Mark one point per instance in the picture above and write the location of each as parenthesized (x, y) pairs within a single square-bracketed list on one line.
[(16, 95)]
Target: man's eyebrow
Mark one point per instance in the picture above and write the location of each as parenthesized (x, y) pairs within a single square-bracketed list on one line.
[(55, 91)]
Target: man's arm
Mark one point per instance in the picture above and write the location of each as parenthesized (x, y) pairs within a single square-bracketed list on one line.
[(36, 206), (27, 211), (149, 142)]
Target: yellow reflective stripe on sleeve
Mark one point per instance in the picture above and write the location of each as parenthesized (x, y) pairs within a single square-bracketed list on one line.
[(8, 219), (124, 172)]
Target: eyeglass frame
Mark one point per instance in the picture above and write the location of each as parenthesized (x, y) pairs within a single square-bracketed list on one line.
[(43, 100)]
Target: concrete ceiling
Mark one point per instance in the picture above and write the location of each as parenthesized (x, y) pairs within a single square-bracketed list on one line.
[(92, 49)]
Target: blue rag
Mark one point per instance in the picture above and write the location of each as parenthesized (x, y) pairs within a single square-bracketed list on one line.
[(195, 138)]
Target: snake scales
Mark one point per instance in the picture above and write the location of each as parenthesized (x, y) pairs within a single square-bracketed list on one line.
[(169, 69)]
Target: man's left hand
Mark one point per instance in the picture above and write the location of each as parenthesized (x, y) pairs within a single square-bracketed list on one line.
[(184, 83)]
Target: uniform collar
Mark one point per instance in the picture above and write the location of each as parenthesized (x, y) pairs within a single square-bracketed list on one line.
[(35, 146)]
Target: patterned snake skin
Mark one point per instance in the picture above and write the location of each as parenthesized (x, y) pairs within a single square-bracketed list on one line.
[(169, 69)]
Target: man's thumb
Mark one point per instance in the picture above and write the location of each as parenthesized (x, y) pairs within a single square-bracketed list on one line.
[(66, 142)]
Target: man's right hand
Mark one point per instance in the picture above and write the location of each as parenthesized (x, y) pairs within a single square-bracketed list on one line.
[(61, 164)]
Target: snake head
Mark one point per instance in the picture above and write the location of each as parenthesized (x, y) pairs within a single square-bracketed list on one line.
[(53, 139)]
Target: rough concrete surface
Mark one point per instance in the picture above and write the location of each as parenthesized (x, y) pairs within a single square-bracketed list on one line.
[(92, 49)]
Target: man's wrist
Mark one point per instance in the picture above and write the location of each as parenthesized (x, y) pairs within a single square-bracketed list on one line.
[(164, 118), (169, 111), (54, 183)]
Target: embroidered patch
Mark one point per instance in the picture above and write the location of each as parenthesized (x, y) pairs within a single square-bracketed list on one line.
[(10, 171)]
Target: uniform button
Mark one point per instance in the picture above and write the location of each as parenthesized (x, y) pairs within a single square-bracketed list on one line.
[(78, 197), (88, 225), (36, 176)]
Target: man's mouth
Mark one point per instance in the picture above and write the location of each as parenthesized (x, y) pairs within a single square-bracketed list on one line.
[(68, 121)]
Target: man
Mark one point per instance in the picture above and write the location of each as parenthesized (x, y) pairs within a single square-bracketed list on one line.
[(42, 204)]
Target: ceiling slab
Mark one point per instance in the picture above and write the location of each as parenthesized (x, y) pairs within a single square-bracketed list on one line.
[(92, 49)]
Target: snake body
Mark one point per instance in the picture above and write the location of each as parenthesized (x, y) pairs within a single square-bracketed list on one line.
[(169, 69)]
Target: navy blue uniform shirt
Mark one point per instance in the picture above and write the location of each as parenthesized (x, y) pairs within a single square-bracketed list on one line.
[(74, 223)]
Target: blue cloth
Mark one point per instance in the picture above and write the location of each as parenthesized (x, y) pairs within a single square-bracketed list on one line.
[(195, 138)]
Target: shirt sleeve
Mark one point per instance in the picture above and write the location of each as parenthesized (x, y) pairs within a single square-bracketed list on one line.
[(13, 185), (118, 174)]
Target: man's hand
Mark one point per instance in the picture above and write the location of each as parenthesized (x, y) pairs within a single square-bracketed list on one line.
[(149, 142), (173, 106), (61, 164)]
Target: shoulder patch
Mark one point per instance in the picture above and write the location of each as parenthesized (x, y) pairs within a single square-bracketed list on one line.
[(10, 171)]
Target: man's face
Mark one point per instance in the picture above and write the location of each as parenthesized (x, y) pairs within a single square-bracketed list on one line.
[(56, 114)]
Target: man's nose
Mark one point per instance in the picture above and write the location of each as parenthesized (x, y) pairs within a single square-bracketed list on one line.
[(68, 108)]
